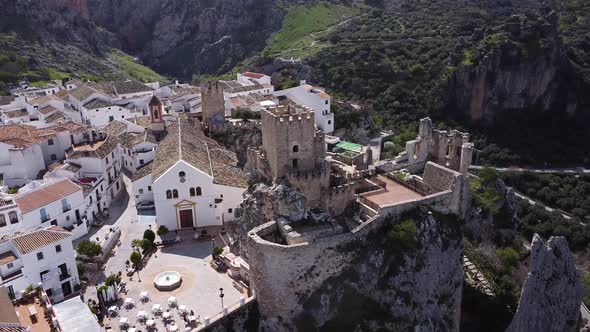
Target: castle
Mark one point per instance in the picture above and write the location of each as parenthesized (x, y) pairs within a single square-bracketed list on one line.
[(213, 104), (280, 252)]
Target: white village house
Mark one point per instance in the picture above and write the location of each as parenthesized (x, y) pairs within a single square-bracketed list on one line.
[(42, 256)]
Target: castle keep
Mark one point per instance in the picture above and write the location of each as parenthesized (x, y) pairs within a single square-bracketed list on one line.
[(213, 104)]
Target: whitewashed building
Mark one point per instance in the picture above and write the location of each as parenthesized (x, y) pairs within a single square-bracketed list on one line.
[(99, 113), (26, 150), (315, 98), (193, 180), (58, 203), (41, 256)]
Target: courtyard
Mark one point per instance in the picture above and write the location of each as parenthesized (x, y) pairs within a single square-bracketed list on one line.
[(199, 290)]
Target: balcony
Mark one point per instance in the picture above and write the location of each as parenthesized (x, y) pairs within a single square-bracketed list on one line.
[(12, 276), (64, 275), (45, 218), (66, 208)]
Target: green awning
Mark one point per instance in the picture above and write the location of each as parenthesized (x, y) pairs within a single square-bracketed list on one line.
[(350, 146)]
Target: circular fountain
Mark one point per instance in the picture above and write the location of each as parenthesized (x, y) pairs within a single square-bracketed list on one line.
[(167, 281)]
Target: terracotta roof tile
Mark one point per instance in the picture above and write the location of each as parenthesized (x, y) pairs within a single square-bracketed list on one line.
[(253, 75), (47, 109), (142, 171), (7, 257), (5, 100), (16, 113), (188, 143), (45, 194), (32, 241)]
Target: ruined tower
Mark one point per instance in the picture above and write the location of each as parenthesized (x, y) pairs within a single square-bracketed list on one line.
[(156, 114), (213, 104), (290, 140)]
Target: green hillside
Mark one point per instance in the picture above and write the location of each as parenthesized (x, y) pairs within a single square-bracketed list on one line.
[(303, 26), (41, 60)]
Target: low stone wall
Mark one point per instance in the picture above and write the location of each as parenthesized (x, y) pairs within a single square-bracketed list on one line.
[(241, 316)]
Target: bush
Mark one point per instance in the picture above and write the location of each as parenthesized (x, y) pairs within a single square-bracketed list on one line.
[(89, 249), (162, 230), (149, 235), (135, 258), (146, 245), (402, 236), (488, 175), (508, 256), (217, 251), (80, 267)]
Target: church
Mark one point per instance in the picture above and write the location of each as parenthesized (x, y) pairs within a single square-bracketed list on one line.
[(194, 181)]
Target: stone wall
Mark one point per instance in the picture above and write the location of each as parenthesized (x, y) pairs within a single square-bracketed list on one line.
[(239, 317), (287, 278)]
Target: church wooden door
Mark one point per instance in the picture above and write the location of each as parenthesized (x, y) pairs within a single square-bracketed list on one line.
[(186, 218)]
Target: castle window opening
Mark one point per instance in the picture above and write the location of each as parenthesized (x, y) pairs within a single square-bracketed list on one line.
[(295, 163), (295, 148), (448, 150)]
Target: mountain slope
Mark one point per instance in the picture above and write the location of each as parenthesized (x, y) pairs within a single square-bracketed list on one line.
[(52, 39)]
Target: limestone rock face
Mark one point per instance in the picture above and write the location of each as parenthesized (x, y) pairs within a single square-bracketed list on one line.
[(263, 203), (552, 293), (181, 37), (485, 227)]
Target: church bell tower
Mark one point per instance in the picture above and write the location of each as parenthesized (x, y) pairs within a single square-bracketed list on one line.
[(156, 114)]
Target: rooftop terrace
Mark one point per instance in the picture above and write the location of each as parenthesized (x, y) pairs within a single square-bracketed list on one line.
[(391, 192)]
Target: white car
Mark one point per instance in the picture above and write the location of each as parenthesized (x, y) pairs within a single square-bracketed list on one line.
[(146, 205)]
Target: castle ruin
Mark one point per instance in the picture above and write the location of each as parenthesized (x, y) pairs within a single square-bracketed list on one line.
[(451, 150), (213, 103), (280, 251)]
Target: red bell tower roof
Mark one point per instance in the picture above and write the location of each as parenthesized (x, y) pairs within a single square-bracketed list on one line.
[(155, 101)]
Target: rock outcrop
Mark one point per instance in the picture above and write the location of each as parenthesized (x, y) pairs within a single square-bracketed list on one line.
[(552, 293), (182, 37), (263, 203), (484, 226)]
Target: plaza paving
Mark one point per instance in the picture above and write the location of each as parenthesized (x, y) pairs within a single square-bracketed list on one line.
[(200, 287)]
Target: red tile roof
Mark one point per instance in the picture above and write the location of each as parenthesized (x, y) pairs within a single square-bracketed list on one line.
[(47, 109), (46, 194), (253, 75), (21, 135), (7, 257), (29, 242)]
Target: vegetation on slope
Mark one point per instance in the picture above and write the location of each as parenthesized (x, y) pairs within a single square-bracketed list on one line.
[(302, 27), (567, 192), (41, 60), (401, 60)]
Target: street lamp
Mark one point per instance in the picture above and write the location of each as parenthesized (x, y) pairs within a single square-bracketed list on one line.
[(221, 295)]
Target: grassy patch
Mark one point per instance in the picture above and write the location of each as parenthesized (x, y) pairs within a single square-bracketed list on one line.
[(303, 25), (134, 69)]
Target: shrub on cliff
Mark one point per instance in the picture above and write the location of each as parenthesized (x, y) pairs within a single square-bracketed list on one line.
[(402, 236)]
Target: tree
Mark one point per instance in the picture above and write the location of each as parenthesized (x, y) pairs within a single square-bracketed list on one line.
[(146, 245), (80, 267), (89, 249), (488, 175), (162, 230), (217, 251), (112, 280), (149, 235), (135, 258)]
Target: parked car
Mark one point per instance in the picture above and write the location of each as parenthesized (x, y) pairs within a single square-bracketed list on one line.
[(146, 205)]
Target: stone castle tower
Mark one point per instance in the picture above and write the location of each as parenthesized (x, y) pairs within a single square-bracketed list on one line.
[(213, 104), (290, 141), (156, 114)]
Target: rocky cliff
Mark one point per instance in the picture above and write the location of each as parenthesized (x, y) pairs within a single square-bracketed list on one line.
[(519, 66), (183, 37), (552, 293), (262, 203), (406, 285), (498, 226)]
